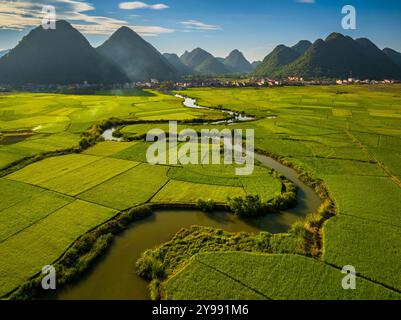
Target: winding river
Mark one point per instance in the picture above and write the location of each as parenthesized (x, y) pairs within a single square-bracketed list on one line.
[(113, 276)]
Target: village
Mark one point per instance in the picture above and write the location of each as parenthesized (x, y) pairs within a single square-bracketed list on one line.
[(193, 82)]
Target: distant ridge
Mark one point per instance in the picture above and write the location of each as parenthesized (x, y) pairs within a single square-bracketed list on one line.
[(278, 58), (256, 64), (393, 55), (64, 56), (302, 46), (60, 56), (138, 59), (203, 62), (237, 63), (337, 56), (175, 61)]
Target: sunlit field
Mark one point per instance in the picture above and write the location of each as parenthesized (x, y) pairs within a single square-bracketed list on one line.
[(348, 138)]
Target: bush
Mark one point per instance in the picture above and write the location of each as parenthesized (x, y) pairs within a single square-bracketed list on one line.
[(154, 289), (250, 206), (206, 205), (149, 266)]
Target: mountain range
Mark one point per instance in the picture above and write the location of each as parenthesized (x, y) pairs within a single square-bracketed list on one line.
[(64, 56), (237, 63), (176, 62), (59, 56), (393, 55), (203, 62), (337, 56)]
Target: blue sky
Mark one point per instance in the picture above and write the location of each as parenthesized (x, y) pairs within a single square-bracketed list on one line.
[(219, 26)]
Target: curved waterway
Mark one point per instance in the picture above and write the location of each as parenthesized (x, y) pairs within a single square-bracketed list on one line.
[(108, 135), (113, 277), (236, 117)]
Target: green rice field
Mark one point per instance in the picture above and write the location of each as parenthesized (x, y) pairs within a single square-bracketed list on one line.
[(346, 137)]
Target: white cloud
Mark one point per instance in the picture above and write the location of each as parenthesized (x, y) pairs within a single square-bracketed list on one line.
[(306, 1), (19, 15), (141, 5), (198, 25)]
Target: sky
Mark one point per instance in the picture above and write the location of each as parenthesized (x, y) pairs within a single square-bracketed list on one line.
[(253, 26)]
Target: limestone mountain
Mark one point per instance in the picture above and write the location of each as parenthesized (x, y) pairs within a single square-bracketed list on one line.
[(278, 58), (395, 56), (302, 46), (202, 62), (138, 59), (237, 63), (175, 61), (337, 56), (59, 56)]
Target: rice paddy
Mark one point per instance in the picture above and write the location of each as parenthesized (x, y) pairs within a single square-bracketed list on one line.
[(349, 137)]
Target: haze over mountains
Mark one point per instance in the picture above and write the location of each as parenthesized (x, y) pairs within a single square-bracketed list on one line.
[(64, 56), (4, 52), (176, 62), (138, 59)]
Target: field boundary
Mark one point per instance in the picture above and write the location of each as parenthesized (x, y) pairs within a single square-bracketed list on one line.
[(234, 279), (382, 166)]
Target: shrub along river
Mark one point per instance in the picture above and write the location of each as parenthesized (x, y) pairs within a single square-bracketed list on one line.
[(114, 276)]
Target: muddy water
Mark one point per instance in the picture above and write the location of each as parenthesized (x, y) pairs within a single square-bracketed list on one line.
[(9, 139)]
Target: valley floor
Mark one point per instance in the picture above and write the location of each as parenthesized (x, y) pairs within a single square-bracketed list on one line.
[(349, 137)]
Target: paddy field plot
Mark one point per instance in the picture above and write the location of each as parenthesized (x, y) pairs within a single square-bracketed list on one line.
[(187, 192), (327, 166), (264, 186), (29, 211), (24, 254), (57, 120), (265, 277), (373, 248), (40, 172), (366, 197), (133, 187), (87, 177), (72, 177), (211, 284), (108, 148), (206, 174), (13, 192), (261, 182)]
